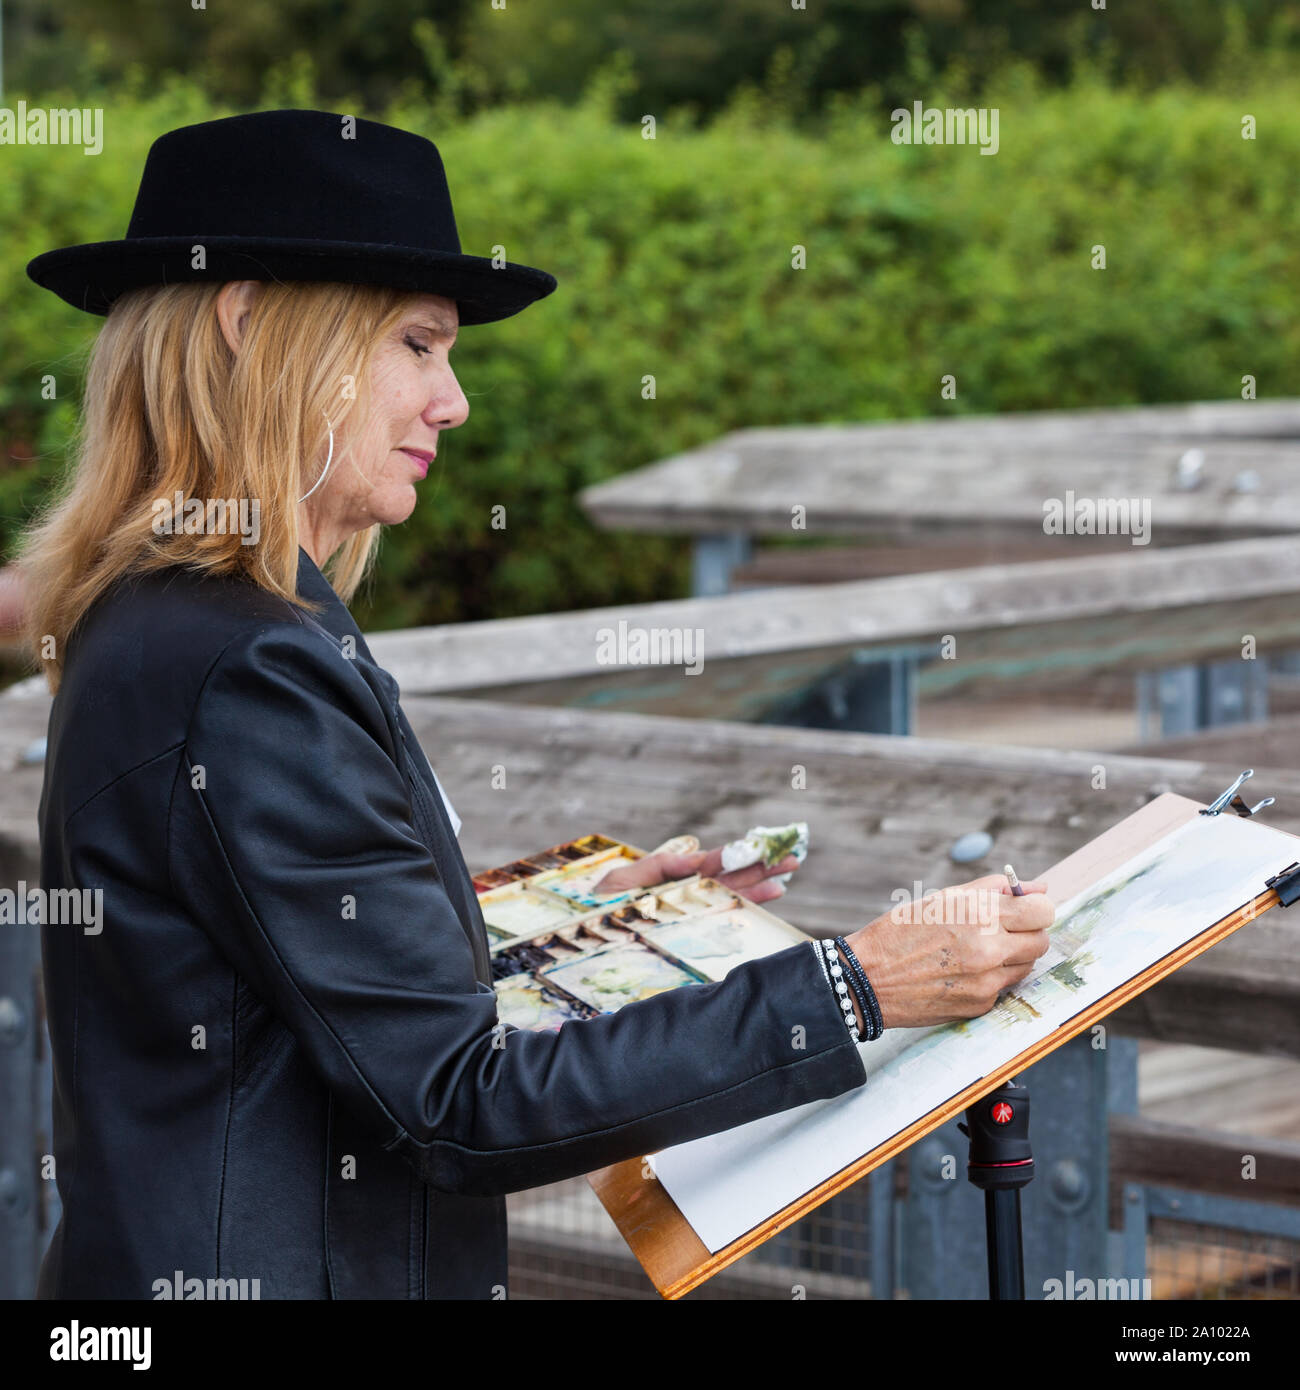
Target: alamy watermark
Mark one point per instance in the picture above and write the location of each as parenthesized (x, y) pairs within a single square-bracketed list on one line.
[(61, 125), (977, 907), (651, 646), (58, 907), (1098, 516), (90, 1343), (179, 1287), (945, 126), (1096, 1289), (211, 516)]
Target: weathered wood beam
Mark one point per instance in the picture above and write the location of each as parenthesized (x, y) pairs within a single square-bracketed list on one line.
[(1138, 610), (1152, 1153), (973, 475)]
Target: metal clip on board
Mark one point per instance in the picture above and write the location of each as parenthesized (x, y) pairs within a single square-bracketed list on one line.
[(1286, 883), (1232, 800)]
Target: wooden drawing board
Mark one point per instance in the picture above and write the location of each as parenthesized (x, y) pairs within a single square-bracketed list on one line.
[(677, 1260)]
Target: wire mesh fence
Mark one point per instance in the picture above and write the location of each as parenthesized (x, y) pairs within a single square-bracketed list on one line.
[(1192, 1260), (563, 1245)]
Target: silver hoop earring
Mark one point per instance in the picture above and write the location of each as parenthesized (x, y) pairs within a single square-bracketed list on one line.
[(326, 469)]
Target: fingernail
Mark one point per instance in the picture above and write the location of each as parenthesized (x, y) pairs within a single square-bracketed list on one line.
[(678, 844)]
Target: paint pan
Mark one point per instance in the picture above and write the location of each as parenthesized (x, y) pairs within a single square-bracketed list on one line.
[(522, 909), (522, 868), (619, 974), (578, 881), (523, 1003), (715, 943), (490, 879)]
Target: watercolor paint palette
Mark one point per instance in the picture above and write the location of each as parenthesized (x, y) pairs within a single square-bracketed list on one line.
[(547, 860), (562, 951)]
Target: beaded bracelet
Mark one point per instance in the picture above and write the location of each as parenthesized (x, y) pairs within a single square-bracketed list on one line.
[(854, 982), (834, 972), (870, 1004), (877, 1023)]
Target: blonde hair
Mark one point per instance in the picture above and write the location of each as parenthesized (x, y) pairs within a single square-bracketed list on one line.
[(169, 408)]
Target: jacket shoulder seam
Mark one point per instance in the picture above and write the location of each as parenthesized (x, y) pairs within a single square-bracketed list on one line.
[(162, 752), (121, 776)]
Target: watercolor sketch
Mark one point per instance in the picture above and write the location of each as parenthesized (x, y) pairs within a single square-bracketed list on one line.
[(725, 1184)]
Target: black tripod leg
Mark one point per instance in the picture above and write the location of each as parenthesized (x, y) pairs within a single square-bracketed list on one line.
[(1002, 1227), (1001, 1163)]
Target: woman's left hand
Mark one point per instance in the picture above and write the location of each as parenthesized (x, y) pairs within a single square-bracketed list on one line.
[(663, 866)]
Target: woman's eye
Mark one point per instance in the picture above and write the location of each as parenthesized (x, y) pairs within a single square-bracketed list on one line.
[(418, 348)]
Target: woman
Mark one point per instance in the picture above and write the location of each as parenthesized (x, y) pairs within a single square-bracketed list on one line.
[(279, 1058)]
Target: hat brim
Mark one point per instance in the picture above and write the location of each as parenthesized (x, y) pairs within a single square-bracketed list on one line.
[(92, 276)]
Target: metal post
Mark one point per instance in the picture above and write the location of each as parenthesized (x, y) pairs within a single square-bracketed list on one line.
[(713, 559), (881, 1231), (19, 951), (874, 693), (1183, 699), (1234, 692)]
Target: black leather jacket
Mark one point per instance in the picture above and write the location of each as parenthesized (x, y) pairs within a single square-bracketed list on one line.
[(277, 1059)]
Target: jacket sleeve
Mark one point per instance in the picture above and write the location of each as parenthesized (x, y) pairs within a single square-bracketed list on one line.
[(292, 843)]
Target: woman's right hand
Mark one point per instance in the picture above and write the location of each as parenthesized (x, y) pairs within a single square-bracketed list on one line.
[(946, 956)]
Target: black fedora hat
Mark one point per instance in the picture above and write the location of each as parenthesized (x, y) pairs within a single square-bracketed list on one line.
[(292, 195)]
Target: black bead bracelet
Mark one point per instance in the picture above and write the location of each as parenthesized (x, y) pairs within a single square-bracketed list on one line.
[(862, 990)]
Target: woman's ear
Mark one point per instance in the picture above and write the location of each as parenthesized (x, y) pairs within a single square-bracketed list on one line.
[(235, 302)]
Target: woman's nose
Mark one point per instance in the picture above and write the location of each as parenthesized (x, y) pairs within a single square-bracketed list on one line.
[(447, 407)]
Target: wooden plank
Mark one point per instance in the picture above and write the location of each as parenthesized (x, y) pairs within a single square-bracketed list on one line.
[(1209, 1088), (1059, 653), (1274, 418), (1272, 743), (1217, 1269), (1106, 612), (1145, 607), (842, 564), (971, 474), (1154, 1153)]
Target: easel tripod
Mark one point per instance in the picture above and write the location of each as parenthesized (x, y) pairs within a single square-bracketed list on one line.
[(1001, 1163)]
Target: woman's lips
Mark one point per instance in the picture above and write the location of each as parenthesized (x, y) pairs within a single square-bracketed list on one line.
[(421, 457)]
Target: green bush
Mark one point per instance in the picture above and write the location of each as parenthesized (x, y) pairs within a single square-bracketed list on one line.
[(674, 261)]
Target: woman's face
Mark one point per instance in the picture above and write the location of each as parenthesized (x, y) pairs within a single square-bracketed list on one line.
[(414, 396)]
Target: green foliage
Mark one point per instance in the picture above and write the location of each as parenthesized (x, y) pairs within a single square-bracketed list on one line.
[(682, 52), (674, 262)]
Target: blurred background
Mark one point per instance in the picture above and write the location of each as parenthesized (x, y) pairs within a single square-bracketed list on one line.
[(680, 320), (673, 254)]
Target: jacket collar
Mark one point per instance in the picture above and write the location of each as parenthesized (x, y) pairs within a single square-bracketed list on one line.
[(339, 623), (333, 615)]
